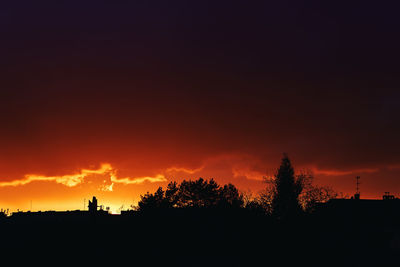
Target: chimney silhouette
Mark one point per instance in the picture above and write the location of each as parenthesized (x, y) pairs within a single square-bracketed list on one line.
[(93, 205)]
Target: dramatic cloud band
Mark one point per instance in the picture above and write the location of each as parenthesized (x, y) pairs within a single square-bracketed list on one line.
[(79, 178)]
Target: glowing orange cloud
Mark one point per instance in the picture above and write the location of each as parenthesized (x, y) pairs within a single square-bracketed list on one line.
[(67, 180), (186, 170), (248, 173), (78, 178), (139, 180), (152, 179)]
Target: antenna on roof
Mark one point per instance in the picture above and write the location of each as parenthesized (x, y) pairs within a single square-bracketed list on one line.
[(358, 183), (357, 194)]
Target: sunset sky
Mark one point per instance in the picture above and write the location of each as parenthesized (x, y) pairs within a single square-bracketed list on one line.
[(114, 99)]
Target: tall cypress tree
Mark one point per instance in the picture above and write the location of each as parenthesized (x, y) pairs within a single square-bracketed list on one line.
[(285, 202)]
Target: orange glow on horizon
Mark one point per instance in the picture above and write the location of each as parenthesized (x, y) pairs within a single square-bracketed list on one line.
[(119, 188)]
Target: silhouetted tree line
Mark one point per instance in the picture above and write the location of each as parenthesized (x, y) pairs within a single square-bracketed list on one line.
[(286, 195), (192, 194)]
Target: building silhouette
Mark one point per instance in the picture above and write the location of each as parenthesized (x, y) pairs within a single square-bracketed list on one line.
[(94, 209)]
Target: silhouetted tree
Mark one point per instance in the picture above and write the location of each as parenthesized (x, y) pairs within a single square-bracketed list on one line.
[(229, 196), (192, 194), (285, 201), (314, 195), (153, 201), (266, 197), (198, 193), (254, 204), (171, 195), (288, 194)]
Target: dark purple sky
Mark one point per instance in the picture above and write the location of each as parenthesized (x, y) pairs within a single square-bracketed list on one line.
[(148, 85)]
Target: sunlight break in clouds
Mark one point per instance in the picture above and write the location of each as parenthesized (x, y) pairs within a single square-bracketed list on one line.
[(76, 179)]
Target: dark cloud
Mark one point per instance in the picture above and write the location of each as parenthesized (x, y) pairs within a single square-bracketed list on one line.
[(156, 84)]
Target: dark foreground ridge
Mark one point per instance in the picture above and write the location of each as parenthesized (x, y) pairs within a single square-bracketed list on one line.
[(348, 232)]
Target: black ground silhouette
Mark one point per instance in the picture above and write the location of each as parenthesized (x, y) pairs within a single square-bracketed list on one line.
[(207, 237)]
